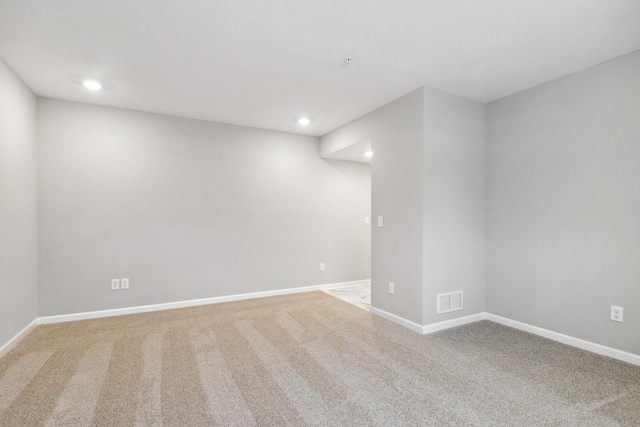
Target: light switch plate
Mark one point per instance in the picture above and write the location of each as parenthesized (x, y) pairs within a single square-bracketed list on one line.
[(124, 283)]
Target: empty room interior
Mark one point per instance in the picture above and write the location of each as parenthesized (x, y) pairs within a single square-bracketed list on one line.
[(330, 213)]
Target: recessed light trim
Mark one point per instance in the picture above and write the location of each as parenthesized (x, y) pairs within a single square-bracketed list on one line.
[(92, 85), (368, 153), (303, 121)]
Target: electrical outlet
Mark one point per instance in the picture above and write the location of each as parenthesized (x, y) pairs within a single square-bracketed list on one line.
[(617, 314), (366, 220), (392, 288), (124, 283), (322, 266), (380, 222), (115, 284)]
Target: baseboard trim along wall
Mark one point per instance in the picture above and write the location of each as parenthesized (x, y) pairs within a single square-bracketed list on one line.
[(47, 320), (191, 303), (421, 329), (428, 329), (555, 336), (397, 319), (566, 339), (18, 337), (446, 324)]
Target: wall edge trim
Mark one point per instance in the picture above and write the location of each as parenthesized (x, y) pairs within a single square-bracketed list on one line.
[(459, 321), (600, 349), (46, 320), (397, 319), (6, 347), (592, 347), (421, 329)]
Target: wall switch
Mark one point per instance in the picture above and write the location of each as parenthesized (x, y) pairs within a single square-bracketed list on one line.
[(115, 284), (392, 288), (617, 314), (124, 283), (366, 220), (322, 266), (380, 222)]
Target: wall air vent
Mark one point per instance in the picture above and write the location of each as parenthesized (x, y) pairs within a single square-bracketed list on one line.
[(450, 301)]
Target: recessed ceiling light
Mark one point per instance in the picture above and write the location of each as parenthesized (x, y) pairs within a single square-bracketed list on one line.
[(369, 153), (304, 121), (92, 85)]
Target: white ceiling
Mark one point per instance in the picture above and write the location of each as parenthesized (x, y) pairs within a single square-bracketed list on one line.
[(264, 63), (353, 153)]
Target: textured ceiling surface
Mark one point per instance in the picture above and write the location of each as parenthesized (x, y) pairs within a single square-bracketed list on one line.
[(266, 63)]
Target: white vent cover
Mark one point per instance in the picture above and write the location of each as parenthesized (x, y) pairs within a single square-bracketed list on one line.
[(450, 301)]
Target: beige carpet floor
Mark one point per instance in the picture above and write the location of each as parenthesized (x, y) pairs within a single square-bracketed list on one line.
[(305, 359)]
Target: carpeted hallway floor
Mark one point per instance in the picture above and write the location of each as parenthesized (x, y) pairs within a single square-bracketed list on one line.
[(304, 359)]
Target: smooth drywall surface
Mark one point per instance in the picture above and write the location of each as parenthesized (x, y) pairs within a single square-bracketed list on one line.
[(187, 209), (563, 204), (18, 198), (396, 132), (454, 211)]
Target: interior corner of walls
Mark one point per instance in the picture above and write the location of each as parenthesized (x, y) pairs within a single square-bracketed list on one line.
[(6, 346), (18, 222)]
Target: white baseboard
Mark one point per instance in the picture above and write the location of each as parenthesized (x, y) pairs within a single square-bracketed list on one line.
[(18, 337), (397, 319), (446, 324), (431, 328), (191, 303), (421, 329), (555, 336), (566, 339)]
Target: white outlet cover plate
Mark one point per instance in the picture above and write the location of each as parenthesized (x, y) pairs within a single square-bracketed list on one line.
[(124, 283), (617, 314), (115, 284)]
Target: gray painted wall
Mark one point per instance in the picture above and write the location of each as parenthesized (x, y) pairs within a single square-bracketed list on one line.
[(187, 209), (454, 210), (396, 133), (428, 182), (18, 197), (173, 204), (563, 204)]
